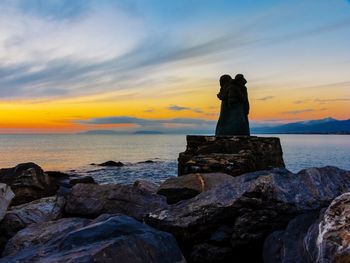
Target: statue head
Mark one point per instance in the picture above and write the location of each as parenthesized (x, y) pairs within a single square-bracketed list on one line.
[(240, 79), (225, 80)]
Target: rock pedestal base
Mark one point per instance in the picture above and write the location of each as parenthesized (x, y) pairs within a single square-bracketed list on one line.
[(234, 155)]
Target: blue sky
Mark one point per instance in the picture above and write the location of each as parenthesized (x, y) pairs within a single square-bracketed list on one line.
[(295, 51)]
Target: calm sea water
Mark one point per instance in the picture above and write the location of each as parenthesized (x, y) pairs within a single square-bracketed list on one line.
[(75, 153)]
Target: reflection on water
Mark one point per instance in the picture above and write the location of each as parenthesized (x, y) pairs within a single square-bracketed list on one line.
[(76, 152)]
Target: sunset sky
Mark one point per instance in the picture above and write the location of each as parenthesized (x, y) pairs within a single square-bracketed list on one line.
[(77, 65)]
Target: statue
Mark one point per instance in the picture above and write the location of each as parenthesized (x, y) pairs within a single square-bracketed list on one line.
[(234, 110)]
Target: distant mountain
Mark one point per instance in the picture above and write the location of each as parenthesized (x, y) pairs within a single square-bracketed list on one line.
[(323, 126), (148, 132)]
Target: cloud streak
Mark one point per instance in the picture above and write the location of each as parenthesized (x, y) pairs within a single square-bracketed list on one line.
[(143, 122), (181, 108), (295, 112), (266, 98), (67, 75)]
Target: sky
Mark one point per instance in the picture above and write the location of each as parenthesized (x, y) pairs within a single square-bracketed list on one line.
[(69, 66)]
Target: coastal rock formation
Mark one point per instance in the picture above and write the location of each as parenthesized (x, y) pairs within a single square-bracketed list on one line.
[(28, 181), (309, 238), (6, 195), (89, 200), (188, 186), (146, 186), (38, 211), (109, 238), (237, 216), (69, 180), (232, 155), (110, 164)]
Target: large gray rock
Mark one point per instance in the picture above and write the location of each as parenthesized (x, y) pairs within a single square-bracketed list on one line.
[(28, 181), (6, 195), (313, 239), (109, 238), (232, 155), (69, 180), (38, 211), (89, 200), (249, 207), (146, 186), (188, 186)]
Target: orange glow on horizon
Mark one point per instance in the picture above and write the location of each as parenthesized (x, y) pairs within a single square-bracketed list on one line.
[(63, 115)]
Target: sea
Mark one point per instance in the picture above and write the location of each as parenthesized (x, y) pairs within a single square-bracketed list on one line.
[(74, 153)]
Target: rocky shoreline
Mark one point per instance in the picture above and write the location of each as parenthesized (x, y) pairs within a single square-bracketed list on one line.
[(233, 201)]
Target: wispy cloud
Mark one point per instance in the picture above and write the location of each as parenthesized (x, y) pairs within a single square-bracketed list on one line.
[(55, 63), (301, 101), (295, 112), (141, 121), (266, 98), (181, 108), (167, 125), (322, 101), (177, 108)]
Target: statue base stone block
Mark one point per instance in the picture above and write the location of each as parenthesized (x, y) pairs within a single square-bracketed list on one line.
[(234, 155)]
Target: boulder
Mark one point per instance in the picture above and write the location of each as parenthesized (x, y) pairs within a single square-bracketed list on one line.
[(146, 186), (38, 211), (252, 206), (188, 186), (69, 180), (232, 155), (148, 161), (90, 200), (110, 164), (6, 195), (310, 238), (29, 182), (109, 238), (289, 245)]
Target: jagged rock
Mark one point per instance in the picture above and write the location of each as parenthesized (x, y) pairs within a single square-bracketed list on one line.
[(109, 238), (188, 186), (42, 233), (311, 238), (232, 155), (6, 195), (148, 161), (253, 205), (146, 186), (89, 200), (41, 210), (288, 245), (69, 180), (29, 182), (81, 180), (111, 164)]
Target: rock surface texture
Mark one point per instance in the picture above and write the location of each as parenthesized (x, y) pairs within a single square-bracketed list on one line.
[(6, 195), (232, 155), (235, 218), (89, 200), (29, 182), (309, 238), (38, 211), (188, 186), (109, 238)]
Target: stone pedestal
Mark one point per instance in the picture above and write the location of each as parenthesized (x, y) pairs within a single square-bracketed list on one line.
[(232, 155)]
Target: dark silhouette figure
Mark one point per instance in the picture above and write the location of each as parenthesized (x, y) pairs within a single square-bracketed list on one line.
[(234, 111)]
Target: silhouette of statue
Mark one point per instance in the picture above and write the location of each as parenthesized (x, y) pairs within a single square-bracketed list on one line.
[(234, 110)]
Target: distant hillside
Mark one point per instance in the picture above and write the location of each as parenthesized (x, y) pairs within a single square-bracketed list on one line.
[(323, 126)]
